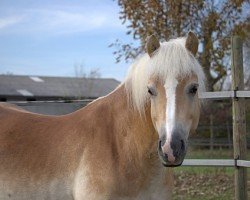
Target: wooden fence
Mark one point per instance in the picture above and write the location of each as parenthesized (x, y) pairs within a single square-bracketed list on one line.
[(239, 123)]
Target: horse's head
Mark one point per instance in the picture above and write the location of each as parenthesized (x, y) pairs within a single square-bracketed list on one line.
[(175, 107)]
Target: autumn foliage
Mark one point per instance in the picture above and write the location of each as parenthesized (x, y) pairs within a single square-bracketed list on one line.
[(213, 21)]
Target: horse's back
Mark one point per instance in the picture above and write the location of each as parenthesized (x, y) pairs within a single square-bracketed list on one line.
[(12, 118), (7, 108), (9, 115), (32, 148)]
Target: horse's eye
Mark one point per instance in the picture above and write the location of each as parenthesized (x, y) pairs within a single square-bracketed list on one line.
[(193, 89), (152, 91)]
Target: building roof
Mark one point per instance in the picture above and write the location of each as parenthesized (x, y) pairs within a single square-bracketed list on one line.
[(14, 87)]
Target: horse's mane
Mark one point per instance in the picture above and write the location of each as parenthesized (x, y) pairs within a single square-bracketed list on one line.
[(171, 60)]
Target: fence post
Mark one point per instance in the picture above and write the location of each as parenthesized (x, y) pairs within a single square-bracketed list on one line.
[(239, 118)]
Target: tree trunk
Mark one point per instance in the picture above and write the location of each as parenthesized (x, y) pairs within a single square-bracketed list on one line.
[(205, 62), (206, 57)]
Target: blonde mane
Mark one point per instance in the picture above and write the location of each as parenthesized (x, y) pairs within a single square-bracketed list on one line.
[(171, 60)]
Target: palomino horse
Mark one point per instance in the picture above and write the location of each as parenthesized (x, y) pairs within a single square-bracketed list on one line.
[(108, 149)]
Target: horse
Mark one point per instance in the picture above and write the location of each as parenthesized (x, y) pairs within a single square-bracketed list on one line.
[(120, 146)]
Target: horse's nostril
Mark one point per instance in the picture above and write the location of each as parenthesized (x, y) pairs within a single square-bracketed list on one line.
[(162, 140), (162, 143), (165, 156), (182, 145)]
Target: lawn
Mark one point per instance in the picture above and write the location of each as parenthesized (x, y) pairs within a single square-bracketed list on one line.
[(206, 183)]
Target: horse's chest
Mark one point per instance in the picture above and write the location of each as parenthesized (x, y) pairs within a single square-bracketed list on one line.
[(156, 190), (155, 187)]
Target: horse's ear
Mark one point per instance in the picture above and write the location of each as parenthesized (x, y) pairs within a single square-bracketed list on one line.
[(192, 43), (152, 45)]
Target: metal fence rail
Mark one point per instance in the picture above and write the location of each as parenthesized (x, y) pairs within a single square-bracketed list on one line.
[(216, 163), (224, 95)]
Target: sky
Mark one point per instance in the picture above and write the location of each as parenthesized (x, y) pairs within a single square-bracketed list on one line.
[(52, 37)]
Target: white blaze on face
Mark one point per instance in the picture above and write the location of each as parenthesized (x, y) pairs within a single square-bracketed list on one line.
[(170, 88)]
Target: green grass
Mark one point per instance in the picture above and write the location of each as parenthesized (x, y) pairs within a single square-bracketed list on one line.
[(209, 154)]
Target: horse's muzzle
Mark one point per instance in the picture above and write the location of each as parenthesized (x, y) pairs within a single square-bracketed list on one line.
[(164, 158)]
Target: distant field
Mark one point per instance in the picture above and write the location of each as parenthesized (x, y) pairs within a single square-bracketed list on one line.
[(206, 183)]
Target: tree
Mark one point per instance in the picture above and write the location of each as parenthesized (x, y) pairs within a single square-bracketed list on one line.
[(213, 21), (89, 78)]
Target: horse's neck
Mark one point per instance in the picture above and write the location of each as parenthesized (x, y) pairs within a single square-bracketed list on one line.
[(135, 134), (139, 130), (136, 131), (122, 141)]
